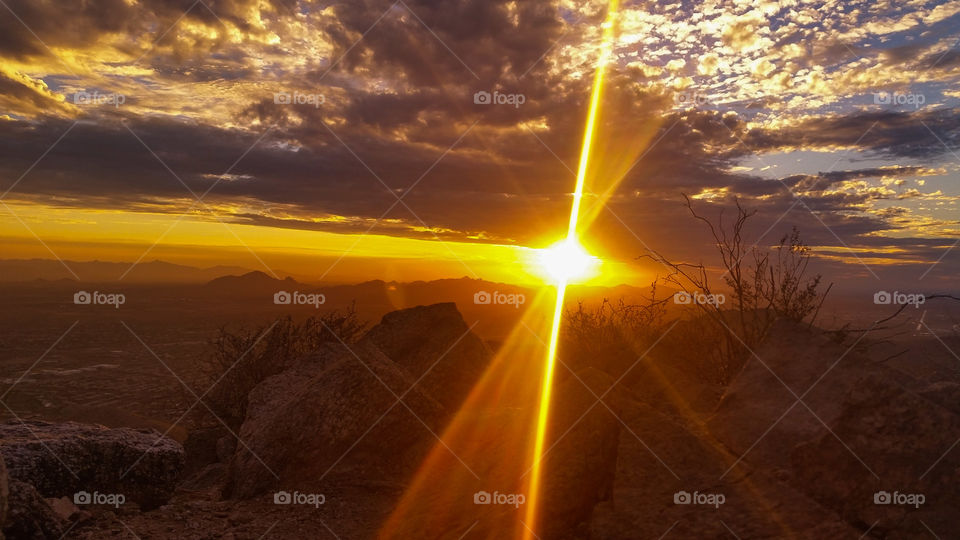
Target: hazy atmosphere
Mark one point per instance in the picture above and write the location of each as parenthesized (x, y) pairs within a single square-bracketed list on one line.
[(479, 269)]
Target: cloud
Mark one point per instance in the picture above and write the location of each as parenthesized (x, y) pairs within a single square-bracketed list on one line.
[(398, 113)]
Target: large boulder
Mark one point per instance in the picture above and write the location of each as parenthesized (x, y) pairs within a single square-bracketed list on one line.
[(336, 412), (581, 461), (661, 459), (759, 415), (891, 441), (435, 343), (862, 430), (63, 459)]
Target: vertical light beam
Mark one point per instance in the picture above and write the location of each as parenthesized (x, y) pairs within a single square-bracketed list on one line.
[(543, 415)]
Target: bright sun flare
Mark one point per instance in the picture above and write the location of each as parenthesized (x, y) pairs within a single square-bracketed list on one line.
[(567, 261)]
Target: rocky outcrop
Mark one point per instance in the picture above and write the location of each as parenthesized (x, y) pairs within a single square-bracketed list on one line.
[(659, 460), (30, 517), (887, 441), (62, 459), (860, 434), (4, 496), (336, 412), (580, 466), (435, 343)]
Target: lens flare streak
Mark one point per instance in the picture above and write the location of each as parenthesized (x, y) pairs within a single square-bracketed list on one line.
[(561, 283)]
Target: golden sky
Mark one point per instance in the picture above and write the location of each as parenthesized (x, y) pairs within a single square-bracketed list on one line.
[(418, 140)]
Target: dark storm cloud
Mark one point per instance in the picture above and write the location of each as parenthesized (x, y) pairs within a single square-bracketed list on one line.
[(105, 159), (890, 133), (435, 42), (826, 180), (474, 191), (26, 24)]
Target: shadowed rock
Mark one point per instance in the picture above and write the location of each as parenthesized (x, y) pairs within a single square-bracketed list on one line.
[(860, 431), (901, 437), (61, 459), (579, 469), (206, 446), (30, 517), (334, 412), (434, 342), (4, 495)]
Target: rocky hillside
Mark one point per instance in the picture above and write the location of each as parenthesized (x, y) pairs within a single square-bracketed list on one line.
[(812, 439)]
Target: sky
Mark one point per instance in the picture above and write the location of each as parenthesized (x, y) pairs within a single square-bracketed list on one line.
[(417, 140)]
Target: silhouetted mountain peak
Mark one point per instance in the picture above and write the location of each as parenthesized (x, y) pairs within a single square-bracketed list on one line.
[(254, 278)]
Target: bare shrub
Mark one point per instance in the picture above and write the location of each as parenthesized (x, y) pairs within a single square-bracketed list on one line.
[(612, 335), (764, 284), (240, 359), (780, 280)]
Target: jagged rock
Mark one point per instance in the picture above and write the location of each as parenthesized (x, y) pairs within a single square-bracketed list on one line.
[(29, 516), (579, 469), (434, 342), (62, 459), (332, 411)]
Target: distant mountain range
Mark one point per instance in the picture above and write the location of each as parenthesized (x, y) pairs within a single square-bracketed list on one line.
[(32, 270), (159, 283), (242, 282)]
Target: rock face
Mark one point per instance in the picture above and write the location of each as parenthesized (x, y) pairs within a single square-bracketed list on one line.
[(901, 438), (4, 495), (859, 432), (62, 459), (434, 342), (30, 517), (660, 457), (580, 467), (334, 413)]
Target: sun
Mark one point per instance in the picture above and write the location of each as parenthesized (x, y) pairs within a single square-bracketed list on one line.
[(567, 261)]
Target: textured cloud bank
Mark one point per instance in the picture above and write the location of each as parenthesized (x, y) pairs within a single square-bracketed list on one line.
[(730, 92)]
